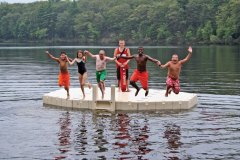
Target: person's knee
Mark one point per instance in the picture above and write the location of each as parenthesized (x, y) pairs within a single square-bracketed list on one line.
[(176, 91)]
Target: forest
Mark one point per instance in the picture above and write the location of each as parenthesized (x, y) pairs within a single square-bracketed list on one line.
[(145, 22)]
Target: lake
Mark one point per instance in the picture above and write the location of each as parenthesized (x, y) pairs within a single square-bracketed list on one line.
[(29, 130)]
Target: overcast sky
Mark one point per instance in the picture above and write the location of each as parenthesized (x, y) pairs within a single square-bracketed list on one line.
[(19, 1)]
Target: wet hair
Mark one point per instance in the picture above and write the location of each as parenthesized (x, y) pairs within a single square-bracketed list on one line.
[(79, 51)]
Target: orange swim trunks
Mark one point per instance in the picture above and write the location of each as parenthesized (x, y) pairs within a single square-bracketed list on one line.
[(140, 76), (64, 79)]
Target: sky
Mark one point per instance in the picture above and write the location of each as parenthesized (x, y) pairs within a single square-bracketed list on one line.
[(19, 1)]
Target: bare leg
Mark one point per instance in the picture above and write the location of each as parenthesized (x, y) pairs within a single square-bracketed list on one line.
[(119, 86), (81, 80), (135, 86), (67, 89), (128, 90), (102, 88), (170, 90), (88, 84), (167, 90)]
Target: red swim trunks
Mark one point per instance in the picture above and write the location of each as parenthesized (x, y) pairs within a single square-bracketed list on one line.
[(64, 79), (142, 77), (174, 84)]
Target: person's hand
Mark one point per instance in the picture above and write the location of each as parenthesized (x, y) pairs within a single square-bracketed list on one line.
[(46, 52), (120, 64), (159, 63), (190, 49), (124, 64), (85, 51)]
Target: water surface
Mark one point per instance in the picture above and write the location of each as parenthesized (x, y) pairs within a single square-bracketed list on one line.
[(31, 131)]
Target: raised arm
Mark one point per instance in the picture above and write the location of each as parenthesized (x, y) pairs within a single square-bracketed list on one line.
[(154, 60), (52, 57), (90, 54), (188, 56), (164, 65)]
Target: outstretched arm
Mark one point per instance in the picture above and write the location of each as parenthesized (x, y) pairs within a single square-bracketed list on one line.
[(51, 56), (111, 59), (164, 65), (128, 57), (89, 54), (188, 56), (71, 62), (154, 60)]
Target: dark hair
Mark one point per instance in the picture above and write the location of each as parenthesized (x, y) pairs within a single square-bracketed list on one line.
[(63, 52), (79, 51), (174, 54)]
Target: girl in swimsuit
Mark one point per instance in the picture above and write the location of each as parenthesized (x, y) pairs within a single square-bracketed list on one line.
[(82, 71)]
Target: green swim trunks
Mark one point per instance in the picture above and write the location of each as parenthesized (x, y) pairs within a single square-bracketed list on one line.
[(101, 75)]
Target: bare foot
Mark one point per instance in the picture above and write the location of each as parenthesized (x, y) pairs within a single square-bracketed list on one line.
[(83, 97), (68, 96), (103, 96), (137, 91)]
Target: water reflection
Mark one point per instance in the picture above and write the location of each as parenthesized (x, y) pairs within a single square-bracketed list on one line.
[(132, 137), (81, 136), (173, 135), (140, 140), (123, 136), (100, 137), (64, 135)]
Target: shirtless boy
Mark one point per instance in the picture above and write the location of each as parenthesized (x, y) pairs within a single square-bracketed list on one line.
[(101, 62), (141, 73), (174, 68), (64, 76)]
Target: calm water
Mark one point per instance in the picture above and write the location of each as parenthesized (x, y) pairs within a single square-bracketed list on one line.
[(28, 130)]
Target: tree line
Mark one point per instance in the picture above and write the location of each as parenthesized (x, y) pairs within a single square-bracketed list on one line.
[(151, 22)]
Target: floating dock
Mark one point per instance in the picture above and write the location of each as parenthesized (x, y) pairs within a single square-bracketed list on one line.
[(115, 100)]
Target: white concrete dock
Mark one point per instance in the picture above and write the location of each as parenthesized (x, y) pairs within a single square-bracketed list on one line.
[(115, 100)]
